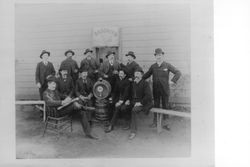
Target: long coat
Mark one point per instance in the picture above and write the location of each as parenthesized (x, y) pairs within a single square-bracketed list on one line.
[(82, 88), (141, 92), (161, 77), (65, 86), (130, 68), (71, 66), (43, 71)]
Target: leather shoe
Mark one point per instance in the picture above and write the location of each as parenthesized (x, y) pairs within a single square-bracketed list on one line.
[(109, 129), (131, 136), (166, 127), (153, 125), (92, 137)]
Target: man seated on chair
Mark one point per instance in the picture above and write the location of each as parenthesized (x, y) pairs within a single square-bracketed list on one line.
[(54, 99), (141, 99), (121, 100), (84, 87), (65, 84)]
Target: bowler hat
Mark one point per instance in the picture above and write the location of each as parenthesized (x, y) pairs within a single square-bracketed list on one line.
[(88, 50), (131, 54), (51, 79), (158, 51), (109, 53), (69, 51), (139, 69), (44, 52), (63, 67)]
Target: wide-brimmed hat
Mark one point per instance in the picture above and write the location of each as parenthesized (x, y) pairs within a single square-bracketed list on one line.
[(44, 52), (130, 53), (88, 50), (158, 51), (109, 53), (51, 79), (69, 51)]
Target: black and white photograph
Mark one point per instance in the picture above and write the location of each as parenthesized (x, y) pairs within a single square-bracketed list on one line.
[(113, 80)]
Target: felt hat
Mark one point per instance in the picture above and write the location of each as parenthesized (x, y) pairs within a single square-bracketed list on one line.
[(158, 51), (51, 79), (44, 52), (130, 53), (139, 69), (69, 51), (109, 53), (88, 50)]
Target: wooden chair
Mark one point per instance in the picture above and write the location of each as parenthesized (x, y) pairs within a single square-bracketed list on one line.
[(56, 124)]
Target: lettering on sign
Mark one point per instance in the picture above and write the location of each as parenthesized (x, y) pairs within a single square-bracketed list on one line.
[(105, 36)]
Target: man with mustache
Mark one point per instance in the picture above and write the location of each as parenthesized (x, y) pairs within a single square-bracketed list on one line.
[(141, 99)]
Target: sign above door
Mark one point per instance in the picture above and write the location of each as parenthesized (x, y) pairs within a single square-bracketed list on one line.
[(105, 36)]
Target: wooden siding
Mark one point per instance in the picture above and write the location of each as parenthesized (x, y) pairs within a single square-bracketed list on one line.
[(58, 27)]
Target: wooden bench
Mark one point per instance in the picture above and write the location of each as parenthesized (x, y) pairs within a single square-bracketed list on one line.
[(160, 113), (34, 102)]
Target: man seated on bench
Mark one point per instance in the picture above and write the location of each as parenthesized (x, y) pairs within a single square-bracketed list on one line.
[(53, 100), (141, 99)]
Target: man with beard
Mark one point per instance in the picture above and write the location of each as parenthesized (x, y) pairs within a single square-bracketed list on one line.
[(53, 100), (44, 69), (70, 65), (160, 72), (90, 64), (121, 100), (141, 99)]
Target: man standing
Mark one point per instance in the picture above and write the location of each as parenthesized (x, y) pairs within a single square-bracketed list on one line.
[(65, 83), (160, 71), (53, 100), (70, 65), (131, 65), (141, 99), (44, 69), (90, 64), (109, 69), (121, 100)]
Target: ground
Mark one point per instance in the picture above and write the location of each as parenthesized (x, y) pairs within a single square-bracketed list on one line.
[(31, 144)]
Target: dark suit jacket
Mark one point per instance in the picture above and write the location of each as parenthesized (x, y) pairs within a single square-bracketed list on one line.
[(43, 71), (161, 76), (105, 67), (84, 89), (121, 90), (91, 65), (65, 87), (130, 68), (142, 93), (52, 98), (71, 66)]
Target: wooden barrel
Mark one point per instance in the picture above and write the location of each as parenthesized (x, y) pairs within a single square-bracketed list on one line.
[(101, 89), (102, 112)]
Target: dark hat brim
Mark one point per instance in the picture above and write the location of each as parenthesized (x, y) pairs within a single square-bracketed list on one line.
[(46, 52), (88, 51), (131, 55), (51, 79), (109, 54), (158, 53), (69, 51)]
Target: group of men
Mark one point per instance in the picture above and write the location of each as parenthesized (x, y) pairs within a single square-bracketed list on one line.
[(130, 92)]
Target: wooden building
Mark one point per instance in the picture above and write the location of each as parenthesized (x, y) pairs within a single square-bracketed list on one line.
[(133, 27)]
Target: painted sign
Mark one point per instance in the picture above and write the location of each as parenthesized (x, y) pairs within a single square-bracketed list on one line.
[(105, 36)]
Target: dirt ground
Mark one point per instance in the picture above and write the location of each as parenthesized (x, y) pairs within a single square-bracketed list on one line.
[(30, 143)]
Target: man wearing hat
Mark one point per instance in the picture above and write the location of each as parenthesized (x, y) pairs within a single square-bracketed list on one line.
[(121, 100), (53, 100), (70, 65), (90, 64), (131, 65), (160, 72), (65, 84), (141, 99), (44, 69), (109, 69)]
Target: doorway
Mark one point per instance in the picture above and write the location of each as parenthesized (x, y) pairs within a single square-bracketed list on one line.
[(102, 51)]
